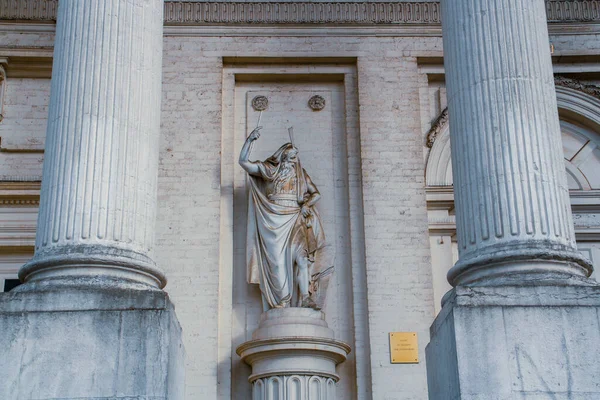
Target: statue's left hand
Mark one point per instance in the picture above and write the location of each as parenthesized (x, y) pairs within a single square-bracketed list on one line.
[(306, 211)]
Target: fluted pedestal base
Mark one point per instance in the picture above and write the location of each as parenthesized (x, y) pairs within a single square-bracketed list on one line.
[(526, 342), (93, 341), (293, 356)]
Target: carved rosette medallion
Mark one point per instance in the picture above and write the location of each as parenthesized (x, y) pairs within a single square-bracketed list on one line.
[(260, 103), (316, 103)]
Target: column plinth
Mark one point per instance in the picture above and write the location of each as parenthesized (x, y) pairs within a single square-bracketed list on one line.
[(513, 213), (98, 197), (293, 355)]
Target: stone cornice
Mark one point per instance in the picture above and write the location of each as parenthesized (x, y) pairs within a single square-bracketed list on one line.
[(14, 194), (290, 13)]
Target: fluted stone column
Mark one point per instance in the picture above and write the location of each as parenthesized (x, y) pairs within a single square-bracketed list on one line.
[(513, 214), (98, 198), (91, 322), (521, 321)]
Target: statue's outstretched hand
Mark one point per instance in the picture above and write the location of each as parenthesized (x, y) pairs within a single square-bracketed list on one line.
[(255, 134)]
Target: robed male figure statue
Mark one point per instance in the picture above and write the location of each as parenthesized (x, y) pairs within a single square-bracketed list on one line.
[(284, 227)]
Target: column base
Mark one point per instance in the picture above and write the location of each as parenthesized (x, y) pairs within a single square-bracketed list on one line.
[(515, 262), (293, 356), (89, 342), (92, 262), (526, 342)]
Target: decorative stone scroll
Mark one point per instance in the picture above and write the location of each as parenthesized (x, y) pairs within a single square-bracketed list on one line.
[(348, 13), (437, 127), (592, 90)]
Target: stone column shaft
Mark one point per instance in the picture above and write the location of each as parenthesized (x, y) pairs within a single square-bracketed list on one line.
[(98, 198), (511, 194)]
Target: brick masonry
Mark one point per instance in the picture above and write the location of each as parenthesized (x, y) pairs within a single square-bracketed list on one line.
[(398, 292)]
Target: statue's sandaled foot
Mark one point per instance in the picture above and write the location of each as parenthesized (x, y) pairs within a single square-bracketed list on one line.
[(309, 303)]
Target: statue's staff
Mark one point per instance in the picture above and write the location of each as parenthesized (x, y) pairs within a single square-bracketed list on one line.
[(259, 117), (291, 134)]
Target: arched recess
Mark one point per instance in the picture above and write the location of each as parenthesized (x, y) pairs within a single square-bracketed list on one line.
[(580, 127), (579, 112)]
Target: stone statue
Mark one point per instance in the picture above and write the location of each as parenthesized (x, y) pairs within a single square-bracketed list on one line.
[(284, 228)]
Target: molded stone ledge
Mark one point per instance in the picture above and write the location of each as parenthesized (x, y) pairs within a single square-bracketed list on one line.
[(80, 294), (584, 293)]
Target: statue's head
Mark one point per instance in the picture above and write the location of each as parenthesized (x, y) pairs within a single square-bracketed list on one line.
[(286, 153), (290, 154)]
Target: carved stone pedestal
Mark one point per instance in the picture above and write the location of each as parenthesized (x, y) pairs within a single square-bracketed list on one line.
[(110, 339), (516, 342), (293, 356)]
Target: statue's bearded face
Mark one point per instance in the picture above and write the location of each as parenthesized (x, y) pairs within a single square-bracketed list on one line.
[(291, 155)]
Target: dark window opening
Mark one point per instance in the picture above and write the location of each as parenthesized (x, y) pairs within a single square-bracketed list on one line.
[(10, 284)]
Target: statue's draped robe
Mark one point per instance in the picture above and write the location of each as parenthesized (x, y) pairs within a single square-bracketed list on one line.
[(278, 234)]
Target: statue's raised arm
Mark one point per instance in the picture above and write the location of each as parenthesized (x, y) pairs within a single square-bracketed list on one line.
[(249, 166)]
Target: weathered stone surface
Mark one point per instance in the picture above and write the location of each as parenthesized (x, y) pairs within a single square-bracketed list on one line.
[(89, 342), (534, 342)]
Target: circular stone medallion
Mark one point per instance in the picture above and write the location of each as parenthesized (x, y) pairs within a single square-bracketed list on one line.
[(316, 103), (260, 103)]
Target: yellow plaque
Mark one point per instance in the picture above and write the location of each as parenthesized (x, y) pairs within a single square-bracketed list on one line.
[(404, 348)]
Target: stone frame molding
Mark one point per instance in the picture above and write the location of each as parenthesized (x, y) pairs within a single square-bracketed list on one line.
[(3, 62)]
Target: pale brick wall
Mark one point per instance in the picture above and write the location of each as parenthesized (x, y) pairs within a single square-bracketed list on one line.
[(397, 249), (189, 202), (25, 114), (23, 129), (188, 228), (398, 290), (397, 295)]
